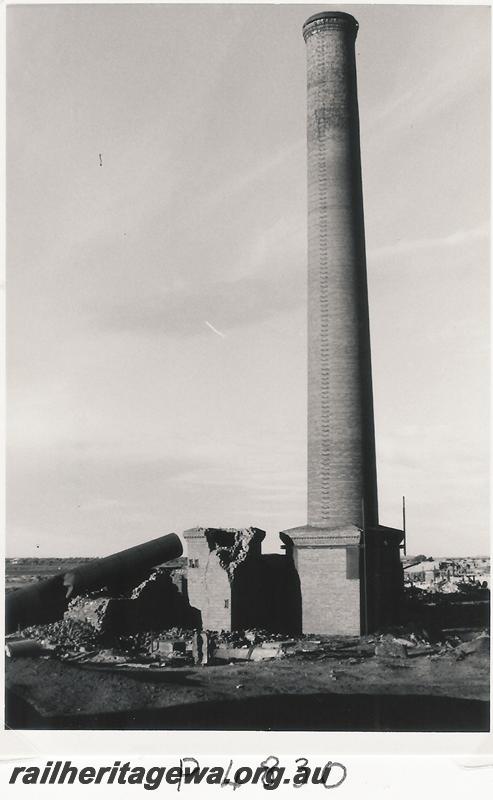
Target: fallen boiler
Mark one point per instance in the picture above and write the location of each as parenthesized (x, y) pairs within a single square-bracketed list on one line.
[(47, 601)]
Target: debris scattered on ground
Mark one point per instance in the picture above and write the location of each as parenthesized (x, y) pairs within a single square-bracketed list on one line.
[(263, 653), (406, 642), (170, 647), (81, 657), (337, 673), (479, 645), (88, 610), (228, 654), (421, 650), (83, 637), (388, 647), (283, 643), (67, 635)]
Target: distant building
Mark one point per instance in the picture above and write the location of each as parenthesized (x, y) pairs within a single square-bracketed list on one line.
[(447, 573)]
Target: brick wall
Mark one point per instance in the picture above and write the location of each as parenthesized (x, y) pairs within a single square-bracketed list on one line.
[(198, 556), (216, 608), (330, 601)]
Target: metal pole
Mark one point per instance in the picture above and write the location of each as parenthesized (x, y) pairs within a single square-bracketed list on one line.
[(365, 571), (404, 521)]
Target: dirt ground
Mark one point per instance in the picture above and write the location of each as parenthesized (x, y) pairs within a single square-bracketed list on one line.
[(420, 694)]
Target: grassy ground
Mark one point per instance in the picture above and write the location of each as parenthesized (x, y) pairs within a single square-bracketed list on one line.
[(20, 572)]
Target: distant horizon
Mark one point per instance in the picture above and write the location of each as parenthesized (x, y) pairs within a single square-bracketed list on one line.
[(184, 555)]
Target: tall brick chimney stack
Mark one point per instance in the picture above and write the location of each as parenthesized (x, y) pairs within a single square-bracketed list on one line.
[(341, 445), (338, 554)]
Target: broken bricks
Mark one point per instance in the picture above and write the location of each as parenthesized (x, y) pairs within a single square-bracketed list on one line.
[(253, 653), (168, 647), (480, 645), (388, 647), (89, 610)]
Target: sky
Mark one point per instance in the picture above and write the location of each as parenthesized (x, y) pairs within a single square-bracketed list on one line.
[(156, 271)]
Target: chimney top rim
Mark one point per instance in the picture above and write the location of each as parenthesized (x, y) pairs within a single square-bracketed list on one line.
[(338, 17)]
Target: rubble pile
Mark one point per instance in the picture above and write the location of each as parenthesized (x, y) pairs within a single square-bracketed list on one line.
[(89, 610), (83, 636), (354, 648), (256, 645), (390, 646), (478, 646), (260, 645), (133, 645), (67, 635), (154, 604)]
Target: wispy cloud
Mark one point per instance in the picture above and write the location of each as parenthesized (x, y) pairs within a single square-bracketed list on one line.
[(456, 239), (244, 181), (215, 330), (230, 303), (432, 90)]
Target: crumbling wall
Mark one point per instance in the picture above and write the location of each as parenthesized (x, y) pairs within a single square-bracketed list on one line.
[(231, 547), (154, 605), (219, 561)]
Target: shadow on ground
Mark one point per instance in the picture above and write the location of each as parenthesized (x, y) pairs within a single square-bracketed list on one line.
[(315, 712), (179, 677)]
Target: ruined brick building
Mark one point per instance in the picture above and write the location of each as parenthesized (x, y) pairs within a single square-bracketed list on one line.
[(232, 585), (235, 587)]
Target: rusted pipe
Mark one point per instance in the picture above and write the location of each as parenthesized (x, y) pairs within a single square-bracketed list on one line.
[(37, 604), (24, 648), (124, 569)]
